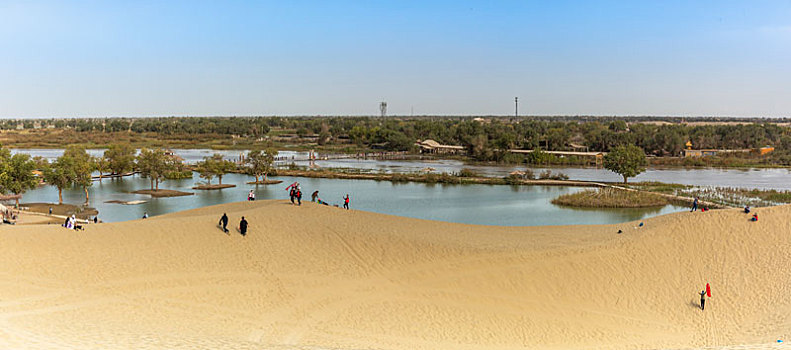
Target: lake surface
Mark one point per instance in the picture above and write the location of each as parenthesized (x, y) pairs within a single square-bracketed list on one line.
[(779, 179), (471, 204)]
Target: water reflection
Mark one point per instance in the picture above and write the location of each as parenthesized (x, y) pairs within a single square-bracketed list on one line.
[(471, 204)]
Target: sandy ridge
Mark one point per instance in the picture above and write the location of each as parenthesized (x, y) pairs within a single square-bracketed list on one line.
[(316, 277)]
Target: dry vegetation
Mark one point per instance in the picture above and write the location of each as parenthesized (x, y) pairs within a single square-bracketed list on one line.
[(611, 198)]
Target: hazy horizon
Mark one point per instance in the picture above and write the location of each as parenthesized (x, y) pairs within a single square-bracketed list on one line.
[(444, 58)]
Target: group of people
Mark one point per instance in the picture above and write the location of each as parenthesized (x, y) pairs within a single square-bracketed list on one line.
[(72, 224), (296, 193), (695, 206), (747, 211), (242, 224)]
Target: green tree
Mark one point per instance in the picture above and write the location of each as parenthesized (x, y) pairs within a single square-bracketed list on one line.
[(261, 162), (18, 174), (627, 161), (154, 164), (214, 166), (83, 166), (60, 174), (102, 165), (120, 158)]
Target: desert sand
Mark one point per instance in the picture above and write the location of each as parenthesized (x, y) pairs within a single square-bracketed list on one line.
[(317, 277)]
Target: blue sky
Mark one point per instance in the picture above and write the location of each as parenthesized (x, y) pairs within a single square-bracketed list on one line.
[(145, 58)]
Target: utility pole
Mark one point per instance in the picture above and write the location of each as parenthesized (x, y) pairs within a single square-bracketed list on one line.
[(516, 107)]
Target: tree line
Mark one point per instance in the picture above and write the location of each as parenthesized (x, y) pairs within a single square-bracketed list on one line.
[(487, 139), (20, 173)]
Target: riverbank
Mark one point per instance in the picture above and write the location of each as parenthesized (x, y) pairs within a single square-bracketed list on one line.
[(63, 210), (432, 178), (331, 278)]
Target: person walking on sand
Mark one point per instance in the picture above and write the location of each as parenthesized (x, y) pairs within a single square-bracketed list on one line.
[(694, 205), (293, 194), (299, 197), (243, 227), (346, 202), (314, 196), (224, 222), (702, 299)]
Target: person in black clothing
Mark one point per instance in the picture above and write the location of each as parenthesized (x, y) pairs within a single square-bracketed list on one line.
[(224, 222), (243, 226), (702, 299), (293, 194), (695, 204), (299, 197), (314, 196), (346, 202)]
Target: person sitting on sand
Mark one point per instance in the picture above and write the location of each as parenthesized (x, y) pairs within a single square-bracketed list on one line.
[(747, 209), (224, 222), (145, 215), (755, 217), (243, 226), (314, 196)]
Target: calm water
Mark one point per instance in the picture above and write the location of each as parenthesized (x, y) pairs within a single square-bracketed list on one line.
[(779, 179), (472, 204)]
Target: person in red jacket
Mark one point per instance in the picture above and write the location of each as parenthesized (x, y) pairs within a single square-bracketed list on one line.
[(346, 202)]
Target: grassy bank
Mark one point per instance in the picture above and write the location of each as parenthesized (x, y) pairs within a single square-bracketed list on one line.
[(611, 198), (728, 196), (462, 177)]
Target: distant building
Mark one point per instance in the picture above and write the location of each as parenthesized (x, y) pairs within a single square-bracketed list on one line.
[(765, 150), (431, 146), (714, 152)]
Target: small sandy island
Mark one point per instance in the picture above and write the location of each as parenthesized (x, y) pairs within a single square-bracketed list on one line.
[(318, 277), (267, 182), (163, 193), (213, 187)]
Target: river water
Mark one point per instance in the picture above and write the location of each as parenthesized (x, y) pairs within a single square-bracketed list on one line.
[(779, 179), (471, 204)]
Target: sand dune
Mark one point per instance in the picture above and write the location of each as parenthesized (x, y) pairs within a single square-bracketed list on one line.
[(316, 277)]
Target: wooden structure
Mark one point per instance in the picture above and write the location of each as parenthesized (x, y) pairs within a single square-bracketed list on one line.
[(431, 146)]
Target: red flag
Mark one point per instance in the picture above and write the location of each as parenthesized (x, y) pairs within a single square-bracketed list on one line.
[(292, 185), (708, 290)]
